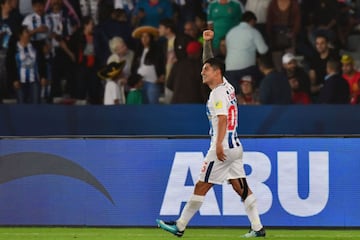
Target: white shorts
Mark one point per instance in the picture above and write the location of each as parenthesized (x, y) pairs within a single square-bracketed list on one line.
[(216, 172)]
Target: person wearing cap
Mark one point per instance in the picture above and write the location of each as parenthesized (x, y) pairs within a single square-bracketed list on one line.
[(110, 73), (184, 79), (149, 63), (248, 94), (352, 76), (291, 68)]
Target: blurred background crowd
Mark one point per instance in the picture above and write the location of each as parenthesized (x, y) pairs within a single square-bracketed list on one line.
[(149, 51)]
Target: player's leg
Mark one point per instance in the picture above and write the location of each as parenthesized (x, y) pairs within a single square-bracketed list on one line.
[(210, 174), (241, 187), (238, 181), (192, 206)]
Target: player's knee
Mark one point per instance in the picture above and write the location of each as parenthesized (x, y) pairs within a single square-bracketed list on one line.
[(243, 190)]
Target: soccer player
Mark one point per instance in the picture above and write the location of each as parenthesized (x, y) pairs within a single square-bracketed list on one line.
[(223, 161)]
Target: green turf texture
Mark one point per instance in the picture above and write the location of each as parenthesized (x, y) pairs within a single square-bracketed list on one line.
[(57, 233)]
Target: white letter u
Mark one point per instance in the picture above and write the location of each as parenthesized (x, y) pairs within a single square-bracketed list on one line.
[(318, 183)]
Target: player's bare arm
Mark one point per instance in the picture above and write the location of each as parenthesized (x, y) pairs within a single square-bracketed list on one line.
[(208, 35), (222, 125)]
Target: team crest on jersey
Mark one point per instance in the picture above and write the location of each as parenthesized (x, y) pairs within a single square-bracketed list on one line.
[(218, 104)]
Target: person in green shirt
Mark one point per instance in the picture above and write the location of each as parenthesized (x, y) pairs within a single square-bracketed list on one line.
[(222, 16), (135, 82)]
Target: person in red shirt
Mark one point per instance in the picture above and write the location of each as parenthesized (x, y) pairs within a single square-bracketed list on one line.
[(248, 94), (352, 77), (298, 96)]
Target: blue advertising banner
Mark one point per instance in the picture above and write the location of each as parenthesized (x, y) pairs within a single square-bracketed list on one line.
[(131, 182)]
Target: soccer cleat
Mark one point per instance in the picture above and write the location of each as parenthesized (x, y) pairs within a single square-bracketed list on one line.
[(253, 234), (170, 227)]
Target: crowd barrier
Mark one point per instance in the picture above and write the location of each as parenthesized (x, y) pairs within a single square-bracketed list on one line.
[(298, 181), (169, 120)]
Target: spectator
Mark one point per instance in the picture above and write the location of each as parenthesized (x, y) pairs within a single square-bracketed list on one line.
[(282, 26), (291, 68), (185, 80), (242, 43), (38, 25), (274, 87), (149, 64), (318, 63), (298, 96), (62, 27), (89, 8), (222, 50), (325, 16), (200, 22), (150, 12), (352, 77), (259, 8), (222, 16), (135, 83), (336, 89), (192, 30), (186, 10), (117, 25), (248, 94), (121, 53), (70, 9), (111, 73), (127, 5), (27, 71), (9, 24), (174, 49), (82, 44)]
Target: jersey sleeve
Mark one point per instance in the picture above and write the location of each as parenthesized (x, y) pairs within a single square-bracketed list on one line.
[(220, 102)]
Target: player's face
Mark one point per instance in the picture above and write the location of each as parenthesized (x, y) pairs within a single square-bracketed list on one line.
[(208, 73)]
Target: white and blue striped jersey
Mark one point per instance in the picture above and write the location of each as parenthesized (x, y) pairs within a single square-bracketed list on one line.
[(222, 101), (33, 21), (26, 63)]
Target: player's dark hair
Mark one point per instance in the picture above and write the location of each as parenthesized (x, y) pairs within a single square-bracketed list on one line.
[(216, 63), (248, 16)]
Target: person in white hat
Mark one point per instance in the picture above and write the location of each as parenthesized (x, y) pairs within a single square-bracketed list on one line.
[(292, 68)]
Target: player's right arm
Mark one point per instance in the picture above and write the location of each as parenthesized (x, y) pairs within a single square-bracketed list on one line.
[(208, 35)]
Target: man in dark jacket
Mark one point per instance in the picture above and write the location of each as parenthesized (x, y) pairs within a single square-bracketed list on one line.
[(335, 89), (274, 87)]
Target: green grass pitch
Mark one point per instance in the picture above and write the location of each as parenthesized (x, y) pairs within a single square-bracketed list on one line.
[(58, 233)]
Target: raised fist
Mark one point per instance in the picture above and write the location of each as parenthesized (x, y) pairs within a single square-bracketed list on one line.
[(208, 35)]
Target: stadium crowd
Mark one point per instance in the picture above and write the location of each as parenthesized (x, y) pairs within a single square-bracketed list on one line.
[(149, 51)]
